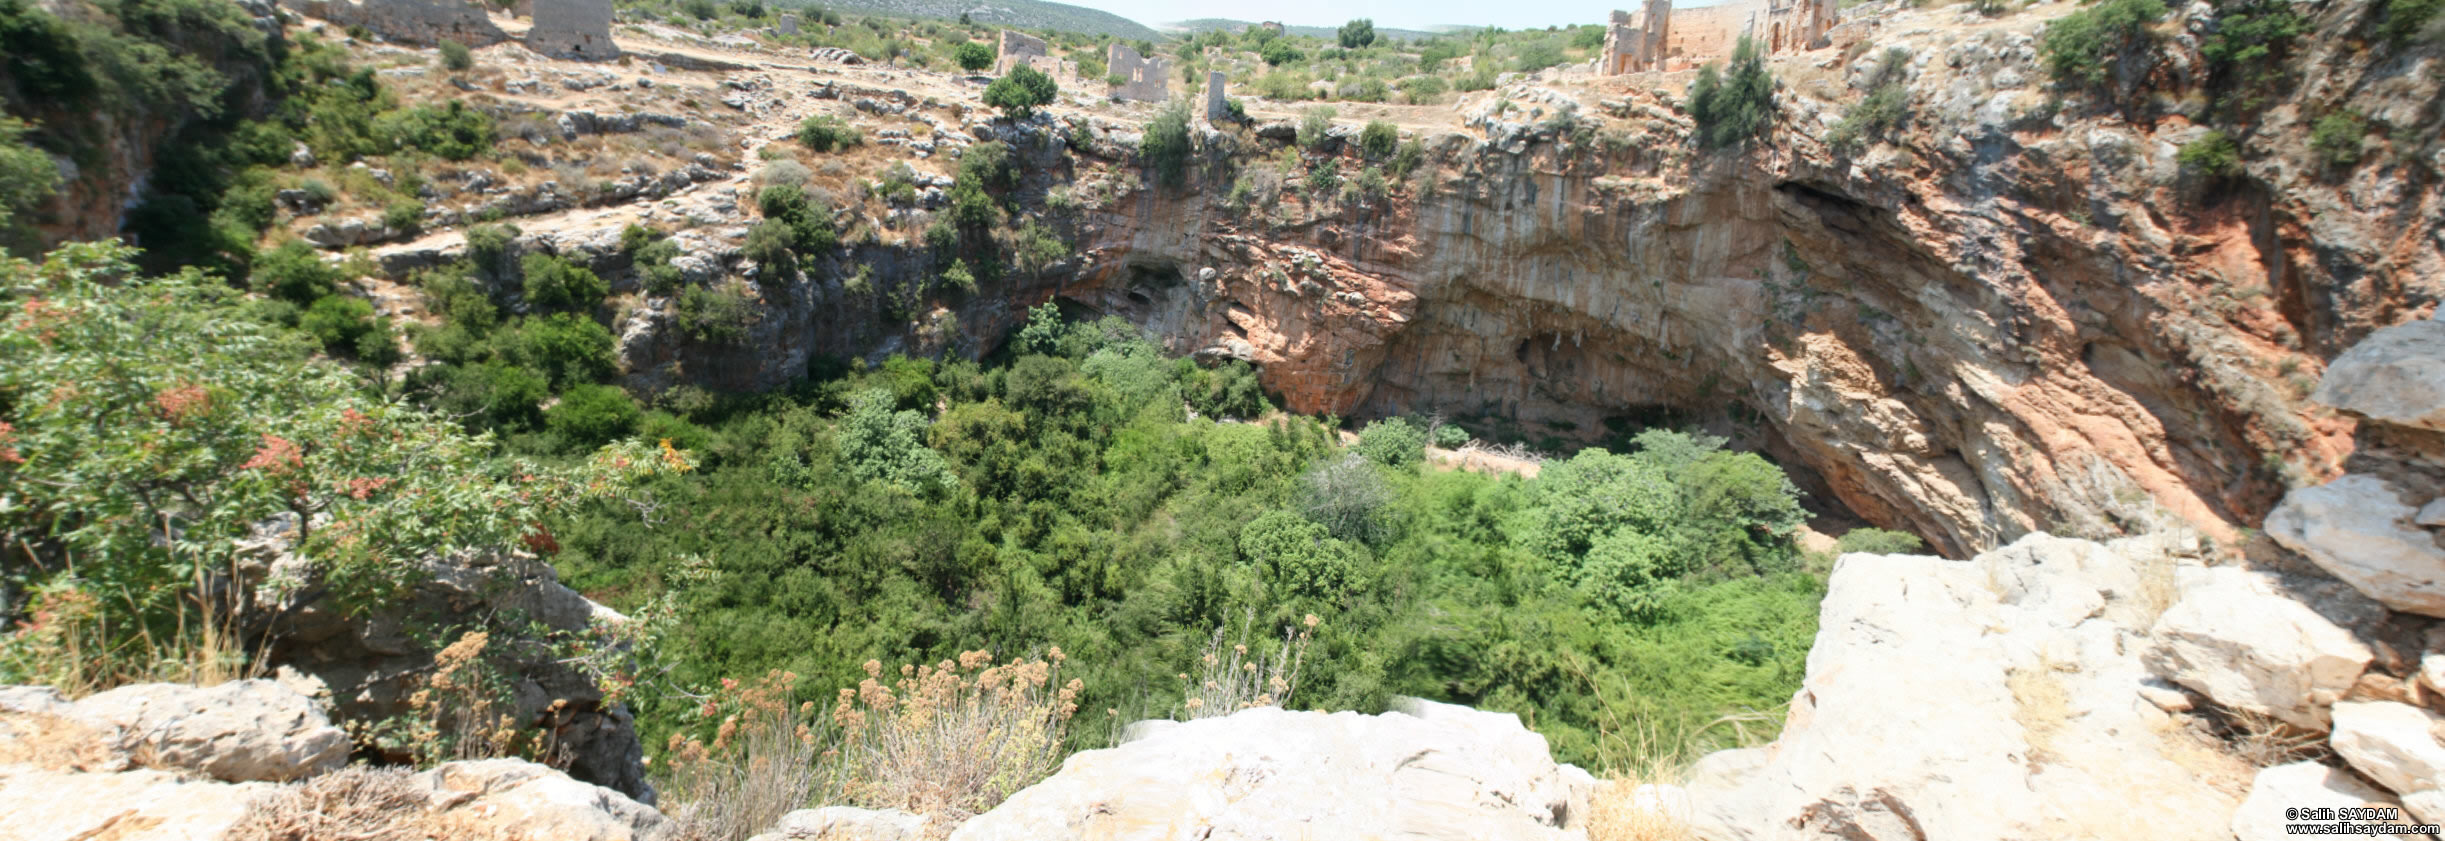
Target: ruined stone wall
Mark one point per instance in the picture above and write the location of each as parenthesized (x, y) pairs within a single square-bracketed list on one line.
[(1636, 41), (1794, 25), (1218, 106), (1015, 49), (573, 29), (1148, 77), (419, 22)]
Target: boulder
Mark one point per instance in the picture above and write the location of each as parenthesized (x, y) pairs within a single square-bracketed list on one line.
[(1430, 771), (1992, 698), (2233, 639), (141, 805), (2358, 528), (2396, 375), (516, 800), (2299, 785), (2395, 745), (846, 823), (240, 731)]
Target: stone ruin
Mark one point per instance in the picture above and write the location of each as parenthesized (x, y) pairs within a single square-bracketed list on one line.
[(419, 22), (1144, 78), (1795, 25), (579, 29), (1635, 42), (1273, 26), (788, 25), (1016, 49), (1218, 106)]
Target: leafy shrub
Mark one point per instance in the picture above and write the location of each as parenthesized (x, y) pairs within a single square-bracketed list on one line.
[(973, 56), (2408, 18), (566, 348), (224, 423), (489, 247), (885, 445), (989, 166), (1316, 126), (655, 271), (1884, 108), (591, 415), (824, 133), (773, 246), (346, 326), (296, 273), (1732, 108), (1877, 541), (1392, 442), (2248, 48), (554, 283), (810, 225), (27, 176), (1279, 52), (2336, 138), (2083, 47), (1378, 139), (1301, 558), (1349, 498), (1021, 91), (718, 314), (1411, 155), (1166, 145), (2214, 154), (1323, 179), (451, 131), (1451, 436), (455, 57)]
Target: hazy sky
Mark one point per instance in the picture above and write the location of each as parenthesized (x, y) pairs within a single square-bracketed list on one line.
[(1407, 14)]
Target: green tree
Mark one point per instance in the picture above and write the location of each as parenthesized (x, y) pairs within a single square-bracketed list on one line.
[(885, 445), (2336, 138), (1378, 140), (974, 56), (1021, 91), (1280, 51), (554, 283), (150, 427), (1301, 557), (295, 273), (591, 415), (1392, 442), (1731, 108), (1166, 146), (2084, 47), (2214, 154), (27, 176), (1357, 34), (567, 348)]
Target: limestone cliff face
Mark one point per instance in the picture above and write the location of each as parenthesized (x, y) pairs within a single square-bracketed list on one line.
[(2020, 314)]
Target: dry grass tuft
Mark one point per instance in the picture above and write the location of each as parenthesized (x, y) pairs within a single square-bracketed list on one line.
[(1615, 814), (760, 765), (953, 738), (2040, 705), (356, 803), (2264, 741), (1232, 680)]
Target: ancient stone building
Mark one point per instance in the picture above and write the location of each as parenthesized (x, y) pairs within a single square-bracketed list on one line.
[(1635, 41), (1016, 49), (1218, 106), (1144, 78), (419, 22), (573, 29), (1795, 25), (1273, 26)]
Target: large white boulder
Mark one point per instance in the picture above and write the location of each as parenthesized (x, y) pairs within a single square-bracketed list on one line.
[(2396, 375), (846, 823), (240, 731), (1992, 698), (2396, 745), (2300, 785), (516, 800), (2234, 639), (1435, 771), (2358, 528), (141, 805)]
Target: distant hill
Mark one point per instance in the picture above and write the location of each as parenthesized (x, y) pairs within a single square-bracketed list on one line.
[(1016, 14), (1325, 32)]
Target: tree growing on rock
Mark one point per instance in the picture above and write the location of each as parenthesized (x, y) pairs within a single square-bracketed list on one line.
[(1732, 107), (1021, 91)]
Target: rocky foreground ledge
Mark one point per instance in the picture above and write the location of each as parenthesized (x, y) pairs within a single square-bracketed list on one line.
[(2053, 689)]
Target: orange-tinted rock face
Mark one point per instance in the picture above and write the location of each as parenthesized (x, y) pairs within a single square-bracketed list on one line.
[(2003, 321)]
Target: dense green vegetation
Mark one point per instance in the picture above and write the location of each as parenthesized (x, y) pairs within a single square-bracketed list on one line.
[(1062, 495), (2083, 48), (1734, 106)]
